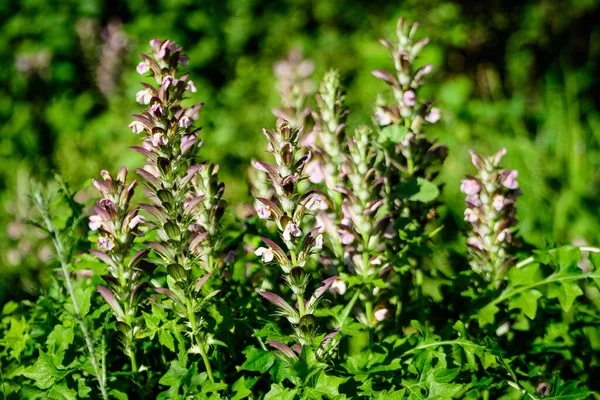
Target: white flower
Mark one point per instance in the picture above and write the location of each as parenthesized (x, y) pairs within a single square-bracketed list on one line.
[(409, 98), (433, 116), (142, 68), (158, 140), (314, 203), (95, 222), (136, 127), (290, 230), (191, 87), (338, 286), (143, 96), (318, 244), (135, 221), (262, 211), (383, 118), (265, 253), (104, 243)]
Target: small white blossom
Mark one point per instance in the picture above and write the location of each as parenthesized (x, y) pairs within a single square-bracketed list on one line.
[(290, 230), (381, 314), (265, 253), (262, 211), (95, 222), (104, 243), (136, 127), (135, 221), (185, 122), (191, 87), (143, 96), (142, 68)]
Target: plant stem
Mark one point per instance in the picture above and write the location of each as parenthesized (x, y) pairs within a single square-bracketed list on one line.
[(301, 304), (40, 203), (206, 362), (348, 309), (531, 259)]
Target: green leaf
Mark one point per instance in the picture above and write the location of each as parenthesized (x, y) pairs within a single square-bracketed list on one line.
[(257, 360), (166, 339), (526, 302), (241, 388), (17, 336), (527, 275), (392, 133), (565, 292), (59, 341), (62, 392), (9, 308), (417, 190), (278, 392), (43, 372), (567, 391), (487, 315), (83, 296)]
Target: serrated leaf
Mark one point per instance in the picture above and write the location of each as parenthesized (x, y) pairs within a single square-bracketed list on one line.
[(487, 315), (278, 392), (392, 133), (166, 339), (527, 275), (565, 292), (257, 360), (526, 302), (62, 392)]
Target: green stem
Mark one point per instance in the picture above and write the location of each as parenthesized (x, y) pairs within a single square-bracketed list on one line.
[(301, 304), (348, 309), (192, 320), (369, 313), (206, 362), (531, 259), (39, 200)]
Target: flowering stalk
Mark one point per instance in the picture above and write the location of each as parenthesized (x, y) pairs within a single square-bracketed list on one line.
[(118, 226), (330, 130), (363, 230), (410, 155), (490, 200), (287, 211), (187, 205)]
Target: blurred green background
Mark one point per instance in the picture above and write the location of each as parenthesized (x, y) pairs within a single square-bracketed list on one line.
[(518, 74)]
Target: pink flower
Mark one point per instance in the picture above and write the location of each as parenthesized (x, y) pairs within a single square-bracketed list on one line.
[(469, 187), (185, 122), (142, 68), (498, 203), (510, 180), (471, 216), (265, 253), (475, 242), (383, 118), (95, 222), (290, 230), (104, 243), (381, 314), (409, 98), (314, 171), (143, 96), (262, 211), (433, 116), (473, 200), (136, 127), (137, 220)]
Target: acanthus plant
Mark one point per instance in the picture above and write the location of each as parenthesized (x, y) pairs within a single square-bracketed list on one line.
[(186, 197), (340, 213), (118, 226), (288, 211)]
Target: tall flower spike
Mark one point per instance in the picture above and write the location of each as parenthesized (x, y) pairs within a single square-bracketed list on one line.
[(287, 210), (187, 196), (118, 226), (490, 200), (364, 226), (410, 154)]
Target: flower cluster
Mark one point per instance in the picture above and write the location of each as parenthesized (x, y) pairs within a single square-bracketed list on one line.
[(491, 211), (363, 228), (186, 196), (410, 154), (287, 210), (118, 226)]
